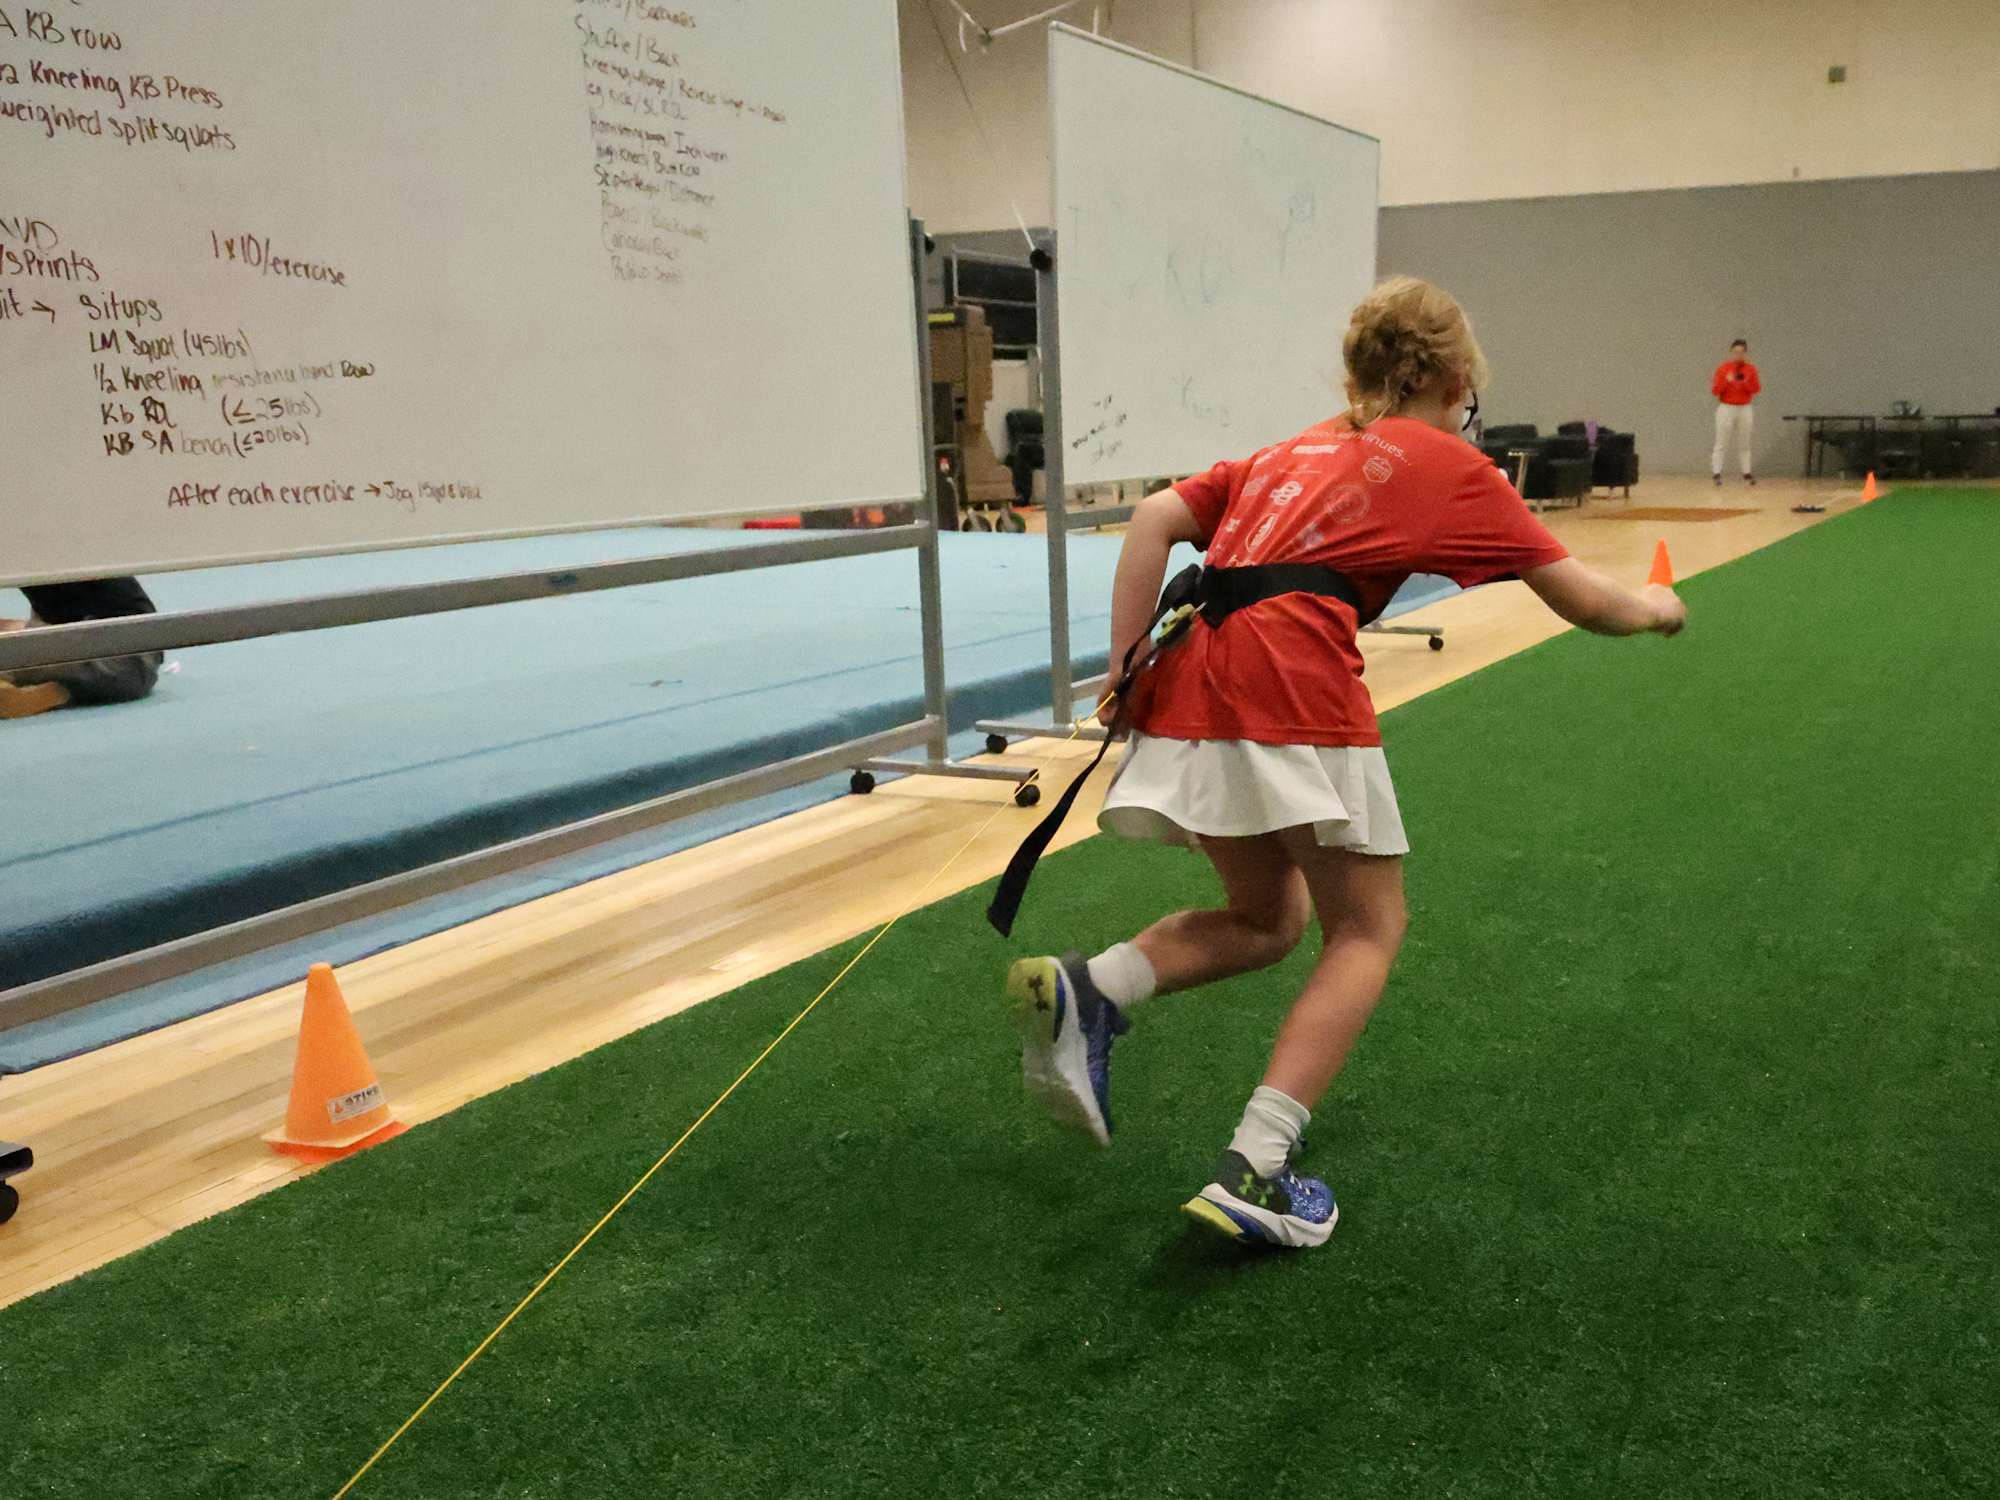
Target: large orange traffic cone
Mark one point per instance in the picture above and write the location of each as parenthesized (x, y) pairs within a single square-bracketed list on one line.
[(1868, 490), (337, 1106), (1663, 566)]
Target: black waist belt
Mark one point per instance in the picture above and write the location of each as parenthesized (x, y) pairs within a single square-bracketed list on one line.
[(1226, 590)]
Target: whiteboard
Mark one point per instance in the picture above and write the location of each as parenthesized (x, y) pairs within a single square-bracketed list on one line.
[(1209, 248), (280, 278)]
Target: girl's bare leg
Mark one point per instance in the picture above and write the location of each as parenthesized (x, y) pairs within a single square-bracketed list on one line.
[(1359, 901), (1273, 884), (1266, 912)]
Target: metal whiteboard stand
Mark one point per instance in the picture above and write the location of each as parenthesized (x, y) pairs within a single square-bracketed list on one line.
[(1435, 632), (930, 586), (1061, 723), (14, 1160), (54, 645)]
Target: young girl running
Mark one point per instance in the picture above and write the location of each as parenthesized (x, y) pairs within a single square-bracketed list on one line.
[(1255, 742)]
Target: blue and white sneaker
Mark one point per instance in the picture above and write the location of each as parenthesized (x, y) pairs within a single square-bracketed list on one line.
[(1067, 1028), (1288, 1209)]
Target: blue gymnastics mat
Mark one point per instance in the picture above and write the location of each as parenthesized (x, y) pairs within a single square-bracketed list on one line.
[(263, 773)]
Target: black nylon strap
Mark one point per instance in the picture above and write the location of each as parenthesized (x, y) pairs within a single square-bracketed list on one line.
[(1014, 880), (1183, 592)]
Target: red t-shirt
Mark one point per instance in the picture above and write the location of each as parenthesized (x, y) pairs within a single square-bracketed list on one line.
[(1735, 382), (1399, 498)]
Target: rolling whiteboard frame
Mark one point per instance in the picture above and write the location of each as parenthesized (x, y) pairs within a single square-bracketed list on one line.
[(54, 644), (1062, 518)]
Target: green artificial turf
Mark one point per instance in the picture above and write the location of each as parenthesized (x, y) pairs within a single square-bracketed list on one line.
[(1667, 1167)]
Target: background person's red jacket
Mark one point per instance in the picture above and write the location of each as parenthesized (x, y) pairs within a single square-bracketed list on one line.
[(1735, 382)]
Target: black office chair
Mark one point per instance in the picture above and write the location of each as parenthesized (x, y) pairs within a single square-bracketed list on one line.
[(1615, 462), (1939, 454), (1559, 469), (1899, 450), (1614, 458), (1856, 450), (1024, 451), (1504, 444)]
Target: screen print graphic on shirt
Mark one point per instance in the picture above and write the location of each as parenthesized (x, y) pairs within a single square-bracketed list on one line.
[(1318, 493)]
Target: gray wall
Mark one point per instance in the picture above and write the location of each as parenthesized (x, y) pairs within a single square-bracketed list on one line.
[(1617, 307)]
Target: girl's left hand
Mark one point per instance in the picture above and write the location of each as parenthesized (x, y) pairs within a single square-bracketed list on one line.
[(1672, 613)]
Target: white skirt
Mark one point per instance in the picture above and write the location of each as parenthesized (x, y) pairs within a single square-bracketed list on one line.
[(1176, 791)]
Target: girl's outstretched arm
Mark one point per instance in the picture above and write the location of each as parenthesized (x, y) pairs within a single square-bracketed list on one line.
[(1159, 520), (1601, 605)]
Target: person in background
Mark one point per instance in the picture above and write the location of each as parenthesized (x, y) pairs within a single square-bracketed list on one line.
[(112, 679), (1734, 386)]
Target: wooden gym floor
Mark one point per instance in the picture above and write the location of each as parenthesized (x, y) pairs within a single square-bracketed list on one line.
[(141, 1138)]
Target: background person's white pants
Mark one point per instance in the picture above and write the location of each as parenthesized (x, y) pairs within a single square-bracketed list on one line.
[(1731, 422)]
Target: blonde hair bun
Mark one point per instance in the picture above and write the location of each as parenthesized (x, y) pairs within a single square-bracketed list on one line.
[(1406, 337)]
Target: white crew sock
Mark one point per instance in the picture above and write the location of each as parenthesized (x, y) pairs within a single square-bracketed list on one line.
[(1123, 975), (1272, 1122)]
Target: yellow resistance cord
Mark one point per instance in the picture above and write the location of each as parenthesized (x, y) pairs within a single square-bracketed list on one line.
[(1076, 728)]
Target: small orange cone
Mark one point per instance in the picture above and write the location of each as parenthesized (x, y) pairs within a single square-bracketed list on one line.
[(1868, 490), (1663, 566), (337, 1106)]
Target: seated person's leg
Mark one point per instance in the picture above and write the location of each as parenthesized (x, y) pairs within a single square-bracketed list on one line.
[(25, 702), (114, 679), (110, 679)]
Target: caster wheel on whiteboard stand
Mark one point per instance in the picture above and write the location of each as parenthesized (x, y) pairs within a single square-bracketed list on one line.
[(1028, 795), (14, 1160), (996, 744), (861, 783)]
